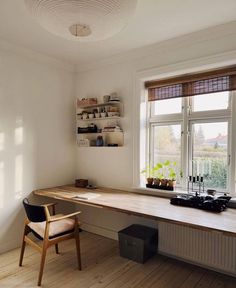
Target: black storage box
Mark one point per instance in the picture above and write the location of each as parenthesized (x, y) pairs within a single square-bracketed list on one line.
[(138, 242)]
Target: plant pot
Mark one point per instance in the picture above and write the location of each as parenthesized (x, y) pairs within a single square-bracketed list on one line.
[(103, 114), (149, 181), (84, 116), (156, 181), (164, 182), (171, 183)]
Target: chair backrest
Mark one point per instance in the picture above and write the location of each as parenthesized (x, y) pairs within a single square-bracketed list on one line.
[(34, 213)]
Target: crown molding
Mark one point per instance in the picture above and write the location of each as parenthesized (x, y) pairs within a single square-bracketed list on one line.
[(194, 65), (206, 35), (34, 56)]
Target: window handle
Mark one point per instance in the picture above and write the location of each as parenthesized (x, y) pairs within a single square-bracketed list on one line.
[(229, 158), (189, 109)]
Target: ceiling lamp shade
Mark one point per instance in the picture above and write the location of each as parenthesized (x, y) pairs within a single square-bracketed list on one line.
[(83, 20)]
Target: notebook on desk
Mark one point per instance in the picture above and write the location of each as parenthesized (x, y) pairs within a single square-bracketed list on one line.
[(86, 196)]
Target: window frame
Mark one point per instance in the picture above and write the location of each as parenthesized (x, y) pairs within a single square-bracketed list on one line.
[(186, 119), (191, 142), (152, 125)]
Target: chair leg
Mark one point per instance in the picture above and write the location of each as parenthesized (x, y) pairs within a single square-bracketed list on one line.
[(77, 242), (26, 231), (22, 252), (43, 257), (56, 248)]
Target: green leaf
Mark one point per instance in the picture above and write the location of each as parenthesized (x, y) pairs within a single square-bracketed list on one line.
[(167, 163)]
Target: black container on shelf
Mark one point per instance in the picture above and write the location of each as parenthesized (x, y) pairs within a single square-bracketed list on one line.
[(138, 242), (89, 129)]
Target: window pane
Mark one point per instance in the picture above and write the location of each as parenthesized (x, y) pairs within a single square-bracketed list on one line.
[(168, 106), (214, 101), (210, 144), (167, 146)]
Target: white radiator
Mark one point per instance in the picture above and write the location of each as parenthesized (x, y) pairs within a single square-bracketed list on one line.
[(209, 249)]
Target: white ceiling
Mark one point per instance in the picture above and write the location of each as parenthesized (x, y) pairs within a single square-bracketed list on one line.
[(154, 21)]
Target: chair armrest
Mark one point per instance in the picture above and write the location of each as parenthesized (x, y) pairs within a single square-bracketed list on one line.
[(50, 204), (53, 209), (63, 217)]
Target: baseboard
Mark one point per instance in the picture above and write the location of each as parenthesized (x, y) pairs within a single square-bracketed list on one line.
[(196, 264), (10, 245), (99, 230)]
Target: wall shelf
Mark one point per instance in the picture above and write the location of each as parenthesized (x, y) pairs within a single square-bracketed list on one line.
[(100, 105), (116, 137), (100, 118), (109, 137)]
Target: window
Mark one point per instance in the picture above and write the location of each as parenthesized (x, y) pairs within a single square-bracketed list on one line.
[(167, 144), (210, 153), (214, 101), (193, 132), (188, 128), (169, 106)]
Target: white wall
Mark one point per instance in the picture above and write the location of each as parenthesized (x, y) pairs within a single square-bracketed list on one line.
[(113, 167), (37, 147)]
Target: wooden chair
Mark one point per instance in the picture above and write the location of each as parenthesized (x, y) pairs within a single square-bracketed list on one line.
[(51, 229)]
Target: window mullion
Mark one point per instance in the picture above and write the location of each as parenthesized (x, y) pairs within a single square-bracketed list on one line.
[(184, 148), (232, 142)]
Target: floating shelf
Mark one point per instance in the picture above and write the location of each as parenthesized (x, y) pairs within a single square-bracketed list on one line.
[(100, 118), (100, 105), (113, 132), (109, 137), (116, 137)]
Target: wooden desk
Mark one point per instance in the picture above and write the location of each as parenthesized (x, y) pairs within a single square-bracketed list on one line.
[(152, 207)]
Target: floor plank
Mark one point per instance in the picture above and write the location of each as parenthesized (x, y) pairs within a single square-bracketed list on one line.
[(103, 267)]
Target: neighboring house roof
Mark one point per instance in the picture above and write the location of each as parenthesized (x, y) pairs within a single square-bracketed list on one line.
[(220, 139)]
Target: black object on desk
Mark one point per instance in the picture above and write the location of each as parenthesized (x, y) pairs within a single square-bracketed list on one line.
[(210, 203), (138, 242)]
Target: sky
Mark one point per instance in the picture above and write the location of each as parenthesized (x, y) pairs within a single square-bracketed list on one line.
[(205, 102)]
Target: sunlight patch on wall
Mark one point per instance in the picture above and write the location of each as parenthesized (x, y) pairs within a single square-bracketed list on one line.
[(18, 176), (2, 141), (1, 184), (19, 136)]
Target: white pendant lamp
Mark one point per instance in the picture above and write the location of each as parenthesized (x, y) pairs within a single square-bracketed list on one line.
[(83, 20)]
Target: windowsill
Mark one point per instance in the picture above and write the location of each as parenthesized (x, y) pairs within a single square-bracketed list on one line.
[(157, 192), (165, 193)]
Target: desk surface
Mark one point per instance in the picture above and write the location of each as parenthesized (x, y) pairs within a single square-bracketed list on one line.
[(146, 206)]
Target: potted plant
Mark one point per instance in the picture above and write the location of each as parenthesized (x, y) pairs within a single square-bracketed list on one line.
[(158, 175), (149, 173), (166, 174), (161, 169), (162, 175)]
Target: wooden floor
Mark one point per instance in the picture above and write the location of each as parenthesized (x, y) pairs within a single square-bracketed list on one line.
[(103, 267)]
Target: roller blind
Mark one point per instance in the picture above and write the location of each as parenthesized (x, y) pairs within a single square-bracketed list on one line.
[(219, 80)]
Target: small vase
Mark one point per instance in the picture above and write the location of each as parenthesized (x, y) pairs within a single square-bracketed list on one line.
[(99, 141)]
